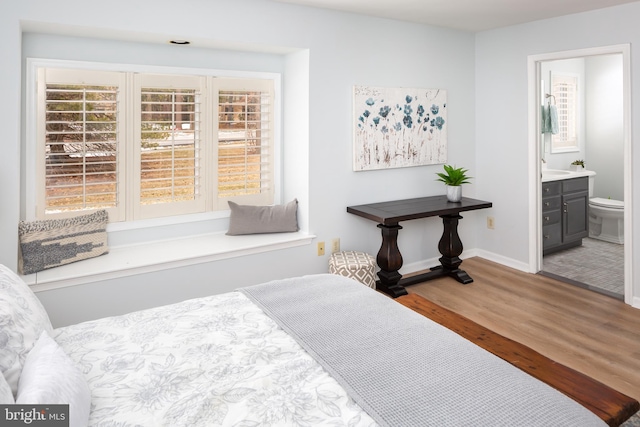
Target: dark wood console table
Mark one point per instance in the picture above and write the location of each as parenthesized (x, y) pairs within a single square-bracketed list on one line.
[(388, 216)]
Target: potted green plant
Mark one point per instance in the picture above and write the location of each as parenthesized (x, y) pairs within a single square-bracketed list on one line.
[(453, 178), (577, 165)]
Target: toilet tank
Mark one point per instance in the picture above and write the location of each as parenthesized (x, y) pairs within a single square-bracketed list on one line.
[(592, 180)]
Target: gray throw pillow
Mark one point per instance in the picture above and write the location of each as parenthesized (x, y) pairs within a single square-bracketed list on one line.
[(246, 219)]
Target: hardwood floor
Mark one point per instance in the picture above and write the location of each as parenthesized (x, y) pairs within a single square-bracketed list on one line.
[(591, 333)]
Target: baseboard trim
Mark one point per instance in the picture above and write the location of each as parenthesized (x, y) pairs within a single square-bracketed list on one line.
[(432, 262), (506, 261)]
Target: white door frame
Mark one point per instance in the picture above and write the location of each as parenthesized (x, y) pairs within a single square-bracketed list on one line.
[(535, 189)]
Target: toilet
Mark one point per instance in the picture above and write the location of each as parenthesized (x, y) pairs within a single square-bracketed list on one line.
[(606, 218)]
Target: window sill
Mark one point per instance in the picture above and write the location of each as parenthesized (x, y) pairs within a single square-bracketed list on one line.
[(161, 255)]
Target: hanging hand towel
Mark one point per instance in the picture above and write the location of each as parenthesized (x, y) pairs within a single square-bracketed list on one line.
[(545, 124), (553, 119)]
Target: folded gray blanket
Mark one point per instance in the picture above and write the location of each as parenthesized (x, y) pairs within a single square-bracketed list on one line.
[(404, 369)]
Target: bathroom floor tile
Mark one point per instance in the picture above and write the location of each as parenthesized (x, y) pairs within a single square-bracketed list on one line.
[(596, 263)]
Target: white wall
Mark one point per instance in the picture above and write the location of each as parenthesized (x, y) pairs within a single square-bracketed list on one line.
[(324, 54), (501, 92), (605, 139)]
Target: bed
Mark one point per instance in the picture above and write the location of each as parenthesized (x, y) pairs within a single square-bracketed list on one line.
[(318, 350)]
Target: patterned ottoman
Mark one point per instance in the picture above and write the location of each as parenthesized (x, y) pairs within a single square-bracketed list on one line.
[(359, 266)]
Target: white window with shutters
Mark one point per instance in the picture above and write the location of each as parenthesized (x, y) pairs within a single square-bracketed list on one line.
[(80, 140), (148, 145), (564, 89), (245, 141), (169, 149)]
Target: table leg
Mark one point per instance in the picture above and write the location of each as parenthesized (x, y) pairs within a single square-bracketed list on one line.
[(450, 246), (389, 260)]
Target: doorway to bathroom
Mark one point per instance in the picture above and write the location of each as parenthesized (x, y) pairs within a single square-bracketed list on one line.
[(588, 92)]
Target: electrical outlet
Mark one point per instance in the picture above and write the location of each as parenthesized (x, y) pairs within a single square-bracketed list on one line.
[(490, 223), (320, 248), (335, 245)]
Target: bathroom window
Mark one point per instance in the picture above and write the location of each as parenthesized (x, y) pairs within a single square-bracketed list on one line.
[(564, 89)]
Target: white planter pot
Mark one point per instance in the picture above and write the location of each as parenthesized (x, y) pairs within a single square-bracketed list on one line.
[(454, 193)]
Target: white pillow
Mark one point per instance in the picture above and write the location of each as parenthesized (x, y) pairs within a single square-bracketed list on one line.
[(49, 376), (6, 395), (22, 320)]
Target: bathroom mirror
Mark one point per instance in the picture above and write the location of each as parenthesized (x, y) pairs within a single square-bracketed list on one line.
[(588, 95)]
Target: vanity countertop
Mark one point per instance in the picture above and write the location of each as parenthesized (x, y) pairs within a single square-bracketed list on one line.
[(558, 175)]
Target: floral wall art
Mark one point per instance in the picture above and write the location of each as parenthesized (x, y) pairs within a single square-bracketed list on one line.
[(399, 127)]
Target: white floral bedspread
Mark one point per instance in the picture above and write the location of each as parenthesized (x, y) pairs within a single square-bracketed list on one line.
[(205, 362)]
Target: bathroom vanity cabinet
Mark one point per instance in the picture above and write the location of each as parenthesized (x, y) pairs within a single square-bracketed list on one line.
[(565, 213)]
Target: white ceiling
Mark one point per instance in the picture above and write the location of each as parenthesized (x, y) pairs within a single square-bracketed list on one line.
[(466, 15)]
